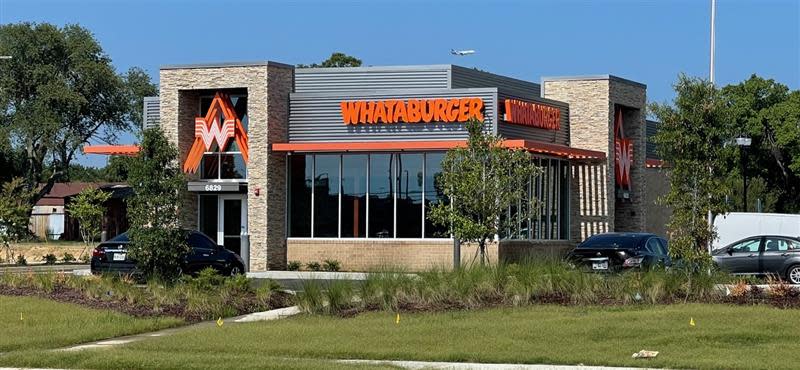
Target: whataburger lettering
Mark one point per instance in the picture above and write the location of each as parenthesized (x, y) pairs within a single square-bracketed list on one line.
[(411, 110), (532, 114)]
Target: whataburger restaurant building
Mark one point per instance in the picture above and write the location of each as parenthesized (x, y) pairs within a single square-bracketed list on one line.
[(307, 165)]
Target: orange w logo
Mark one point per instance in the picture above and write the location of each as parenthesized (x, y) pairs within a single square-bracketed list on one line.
[(623, 153), (209, 133)]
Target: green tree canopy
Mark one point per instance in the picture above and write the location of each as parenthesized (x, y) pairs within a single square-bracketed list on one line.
[(336, 59), (694, 139), (59, 90), (482, 180), (769, 113), (157, 241)]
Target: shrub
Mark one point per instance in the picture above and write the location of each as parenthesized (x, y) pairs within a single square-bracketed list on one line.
[(50, 259), (86, 258), (331, 265), (67, 257), (313, 266), (21, 260), (293, 265)]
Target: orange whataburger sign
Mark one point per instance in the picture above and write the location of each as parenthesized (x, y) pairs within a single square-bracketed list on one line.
[(220, 125), (411, 110), (533, 114)]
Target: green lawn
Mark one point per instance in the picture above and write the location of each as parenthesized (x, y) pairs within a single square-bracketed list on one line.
[(725, 337), (47, 324)]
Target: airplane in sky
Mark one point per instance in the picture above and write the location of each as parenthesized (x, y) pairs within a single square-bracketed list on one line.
[(461, 52)]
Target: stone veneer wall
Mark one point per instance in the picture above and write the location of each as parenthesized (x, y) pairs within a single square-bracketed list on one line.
[(591, 108), (268, 86), (630, 214), (592, 199)]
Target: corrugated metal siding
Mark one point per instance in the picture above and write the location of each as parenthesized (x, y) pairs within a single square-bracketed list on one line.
[(316, 117), (463, 78), (651, 130), (152, 112), (370, 78), (513, 131)]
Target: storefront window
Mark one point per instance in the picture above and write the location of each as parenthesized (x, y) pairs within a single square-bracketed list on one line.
[(381, 196), (208, 215), (354, 196), (300, 180), (434, 193), (388, 196), (409, 196), (326, 196)]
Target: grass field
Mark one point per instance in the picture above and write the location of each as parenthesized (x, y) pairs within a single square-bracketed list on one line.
[(725, 337), (35, 323)]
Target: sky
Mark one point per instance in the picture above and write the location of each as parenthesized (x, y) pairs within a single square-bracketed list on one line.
[(651, 42)]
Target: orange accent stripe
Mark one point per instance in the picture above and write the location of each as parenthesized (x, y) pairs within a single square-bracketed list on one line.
[(128, 150), (532, 146)]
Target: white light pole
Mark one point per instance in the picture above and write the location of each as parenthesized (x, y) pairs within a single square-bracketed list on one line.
[(711, 79)]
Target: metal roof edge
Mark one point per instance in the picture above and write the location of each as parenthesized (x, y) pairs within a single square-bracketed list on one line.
[(265, 63), (345, 93), (421, 67)]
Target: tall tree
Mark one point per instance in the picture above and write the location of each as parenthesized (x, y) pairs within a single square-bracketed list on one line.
[(693, 136), (336, 59), (157, 241), (483, 180), (769, 113), (58, 91)]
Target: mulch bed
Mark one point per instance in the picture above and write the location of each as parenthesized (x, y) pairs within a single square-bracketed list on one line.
[(244, 305)]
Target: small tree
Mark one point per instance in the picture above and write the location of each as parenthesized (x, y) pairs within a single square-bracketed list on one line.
[(87, 208), (157, 242), (483, 180), (14, 210), (693, 136)]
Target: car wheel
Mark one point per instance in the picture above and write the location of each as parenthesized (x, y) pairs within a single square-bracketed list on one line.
[(793, 275), (236, 270)]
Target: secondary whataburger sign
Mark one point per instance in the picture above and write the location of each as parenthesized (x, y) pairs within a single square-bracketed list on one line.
[(532, 114), (355, 112)]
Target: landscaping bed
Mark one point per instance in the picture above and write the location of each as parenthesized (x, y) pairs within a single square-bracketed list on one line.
[(205, 297), (534, 283)]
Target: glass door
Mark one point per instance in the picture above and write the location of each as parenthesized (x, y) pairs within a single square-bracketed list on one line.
[(232, 225)]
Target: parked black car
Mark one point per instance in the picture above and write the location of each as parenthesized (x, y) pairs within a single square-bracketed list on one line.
[(761, 255), (619, 251), (111, 256)]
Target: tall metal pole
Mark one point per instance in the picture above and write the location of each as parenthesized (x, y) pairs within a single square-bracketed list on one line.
[(711, 79), (713, 22)]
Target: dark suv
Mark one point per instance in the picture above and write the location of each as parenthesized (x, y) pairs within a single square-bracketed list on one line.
[(619, 251), (111, 256)]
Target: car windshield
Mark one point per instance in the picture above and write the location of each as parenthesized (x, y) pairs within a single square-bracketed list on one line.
[(611, 242)]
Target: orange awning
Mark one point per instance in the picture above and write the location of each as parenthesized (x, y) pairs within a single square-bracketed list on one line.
[(128, 150), (377, 146)]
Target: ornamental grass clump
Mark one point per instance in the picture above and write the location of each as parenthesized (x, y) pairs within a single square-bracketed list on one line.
[(543, 281)]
